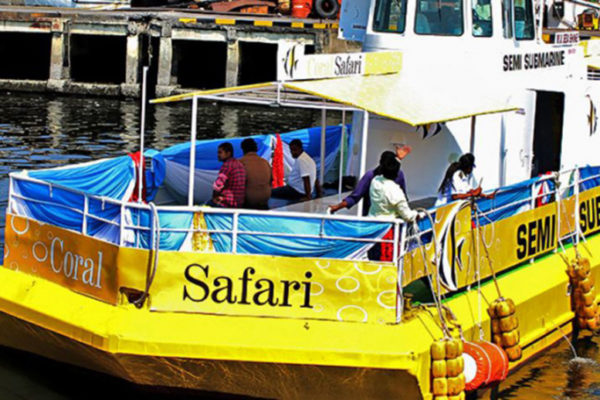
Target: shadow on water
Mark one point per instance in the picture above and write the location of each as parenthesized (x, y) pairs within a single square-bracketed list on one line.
[(27, 376)]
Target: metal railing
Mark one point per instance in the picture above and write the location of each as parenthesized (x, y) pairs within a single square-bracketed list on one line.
[(399, 242), (126, 207), (565, 183)]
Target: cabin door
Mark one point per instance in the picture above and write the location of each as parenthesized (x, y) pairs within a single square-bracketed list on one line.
[(547, 132)]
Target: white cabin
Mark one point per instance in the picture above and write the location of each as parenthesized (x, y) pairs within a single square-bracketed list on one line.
[(487, 48)]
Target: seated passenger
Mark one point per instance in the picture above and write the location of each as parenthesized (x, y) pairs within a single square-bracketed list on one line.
[(361, 191), (387, 197), (258, 177), (302, 179), (458, 182), (230, 186)]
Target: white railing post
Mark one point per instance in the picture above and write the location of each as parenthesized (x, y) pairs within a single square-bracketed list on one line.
[(400, 273), (341, 172), (396, 250), (192, 151), (85, 214), (363, 154), (122, 225), (576, 188), (234, 235), (9, 206)]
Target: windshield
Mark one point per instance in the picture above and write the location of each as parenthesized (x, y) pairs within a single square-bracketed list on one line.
[(435, 17)]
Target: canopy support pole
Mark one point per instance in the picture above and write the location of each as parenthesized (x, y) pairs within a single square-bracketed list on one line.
[(341, 175), (323, 131), (472, 141), (363, 154), (142, 129), (192, 151)]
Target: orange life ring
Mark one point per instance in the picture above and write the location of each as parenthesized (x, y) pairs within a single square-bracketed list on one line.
[(485, 363)]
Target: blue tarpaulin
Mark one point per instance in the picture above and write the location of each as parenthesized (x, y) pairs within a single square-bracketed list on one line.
[(256, 235), (58, 206)]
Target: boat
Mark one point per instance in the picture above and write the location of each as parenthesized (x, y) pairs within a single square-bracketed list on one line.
[(115, 265)]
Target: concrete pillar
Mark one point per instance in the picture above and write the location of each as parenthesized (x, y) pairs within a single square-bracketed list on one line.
[(131, 86), (59, 62), (232, 71), (165, 82)]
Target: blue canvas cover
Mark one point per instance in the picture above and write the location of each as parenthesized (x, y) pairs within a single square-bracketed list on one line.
[(259, 238), (110, 178)]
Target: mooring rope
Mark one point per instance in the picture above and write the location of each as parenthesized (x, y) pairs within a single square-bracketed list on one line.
[(154, 250), (436, 296)]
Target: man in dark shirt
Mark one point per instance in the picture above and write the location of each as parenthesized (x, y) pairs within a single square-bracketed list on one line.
[(258, 176), (361, 191), (229, 188)]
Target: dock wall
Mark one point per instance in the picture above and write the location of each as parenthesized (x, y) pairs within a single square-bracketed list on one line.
[(102, 53)]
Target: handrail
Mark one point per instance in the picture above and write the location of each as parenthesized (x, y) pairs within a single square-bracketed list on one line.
[(400, 239), (235, 214)]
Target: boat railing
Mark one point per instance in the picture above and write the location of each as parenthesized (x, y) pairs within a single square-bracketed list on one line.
[(127, 228), (560, 185), (129, 233), (132, 224)]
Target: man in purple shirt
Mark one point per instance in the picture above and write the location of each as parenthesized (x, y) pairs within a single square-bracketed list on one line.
[(361, 191)]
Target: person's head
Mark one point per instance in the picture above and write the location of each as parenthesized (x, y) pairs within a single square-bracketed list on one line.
[(386, 158), (388, 165), (296, 148), (249, 145), (225, 151), (466, 162)]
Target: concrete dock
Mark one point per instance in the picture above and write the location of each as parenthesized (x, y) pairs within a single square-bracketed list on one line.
[(74, 50)]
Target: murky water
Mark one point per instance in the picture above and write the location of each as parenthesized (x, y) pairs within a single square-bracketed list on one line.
[(38, 131)]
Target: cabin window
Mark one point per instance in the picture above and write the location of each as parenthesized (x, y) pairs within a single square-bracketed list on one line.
[(482, 18), (390, 16), (439, 17), (524, 27), (507, 19)]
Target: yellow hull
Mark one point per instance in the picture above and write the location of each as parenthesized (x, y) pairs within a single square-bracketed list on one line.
[(269, 356)]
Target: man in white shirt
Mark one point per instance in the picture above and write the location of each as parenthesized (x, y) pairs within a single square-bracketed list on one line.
[(387, 197), (302, 179)]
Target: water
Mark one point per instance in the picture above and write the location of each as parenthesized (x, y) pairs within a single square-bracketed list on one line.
[(38, 131)]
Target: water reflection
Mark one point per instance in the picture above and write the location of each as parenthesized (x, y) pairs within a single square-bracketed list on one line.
[(557, 374)]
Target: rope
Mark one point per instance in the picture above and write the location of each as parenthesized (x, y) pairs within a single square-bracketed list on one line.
[(154, 249), (475, 244), (485, 248), (437, 300), (577, 232), (454, 322)]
